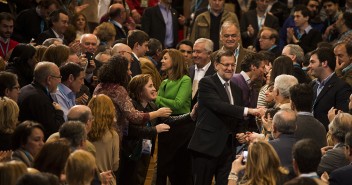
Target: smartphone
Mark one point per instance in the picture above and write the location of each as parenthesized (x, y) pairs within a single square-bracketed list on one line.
[(89, 56), (245, 155)]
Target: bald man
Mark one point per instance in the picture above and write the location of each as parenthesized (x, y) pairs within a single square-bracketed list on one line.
[(83, 114), (123, 50), (118, 15)]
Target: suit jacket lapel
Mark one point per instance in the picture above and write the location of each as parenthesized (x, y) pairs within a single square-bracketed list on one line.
[(221, 89), (210, 70), (329, 84), (159, 14), (192, 72)]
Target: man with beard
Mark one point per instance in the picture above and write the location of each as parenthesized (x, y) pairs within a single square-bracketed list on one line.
[(329, 90), (6, 29), (315, 22)]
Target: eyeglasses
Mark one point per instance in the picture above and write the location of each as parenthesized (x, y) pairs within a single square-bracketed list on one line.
[(228, 65), (184, 51), (59, 77), (230, 35)]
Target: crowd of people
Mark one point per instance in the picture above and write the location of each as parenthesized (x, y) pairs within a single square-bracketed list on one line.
[(244, 92)]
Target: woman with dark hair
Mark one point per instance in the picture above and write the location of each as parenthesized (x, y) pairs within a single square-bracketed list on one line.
[(9, 86), (138, 146), (114, 77), (175, 92), (27, 141), (22, 63), (48, 159)]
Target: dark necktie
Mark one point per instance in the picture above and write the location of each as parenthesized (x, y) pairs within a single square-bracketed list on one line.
[(227, 88)]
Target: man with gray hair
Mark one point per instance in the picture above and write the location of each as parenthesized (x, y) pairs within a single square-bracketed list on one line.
[(122, 50), (35, 102), (295, 52), (75, 133), (83, 114), (230, 38), (282, 86), (282, 129), (202, 66)]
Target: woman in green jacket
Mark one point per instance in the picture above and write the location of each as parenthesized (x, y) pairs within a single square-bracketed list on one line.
[(175, 92)]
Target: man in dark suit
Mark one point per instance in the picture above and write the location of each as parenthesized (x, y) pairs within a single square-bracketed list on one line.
[(342, 176), (268, 41), (231, 39), (220, 113), (35, 102), (283, 128), (117, 14), (161, 22), (329, 90), (253, 67), (301, 96), (137, 40), (250, 24), (202, 64), (58, 23), (31, 22), (295, 52)]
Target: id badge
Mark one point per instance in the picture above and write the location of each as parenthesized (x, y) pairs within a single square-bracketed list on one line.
[(144, 3), (146, 146)]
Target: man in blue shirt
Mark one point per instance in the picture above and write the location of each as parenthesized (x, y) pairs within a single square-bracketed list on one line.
[(71, 83)]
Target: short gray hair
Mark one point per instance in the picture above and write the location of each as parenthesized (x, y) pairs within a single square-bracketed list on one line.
[(42, 70), (284, 121), (209, 45), (340, 125), (283, 83), (227, 24), (74, 132), (87, 35), (297, 51)]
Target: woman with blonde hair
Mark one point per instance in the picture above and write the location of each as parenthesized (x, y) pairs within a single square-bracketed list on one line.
[(11, 171), (57, 54), (106, 33), (103, 134), (8, 120), (261, 168), (80, 168), (175, 92)]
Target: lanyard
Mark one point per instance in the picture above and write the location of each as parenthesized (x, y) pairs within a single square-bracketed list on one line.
[(7, 48)]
